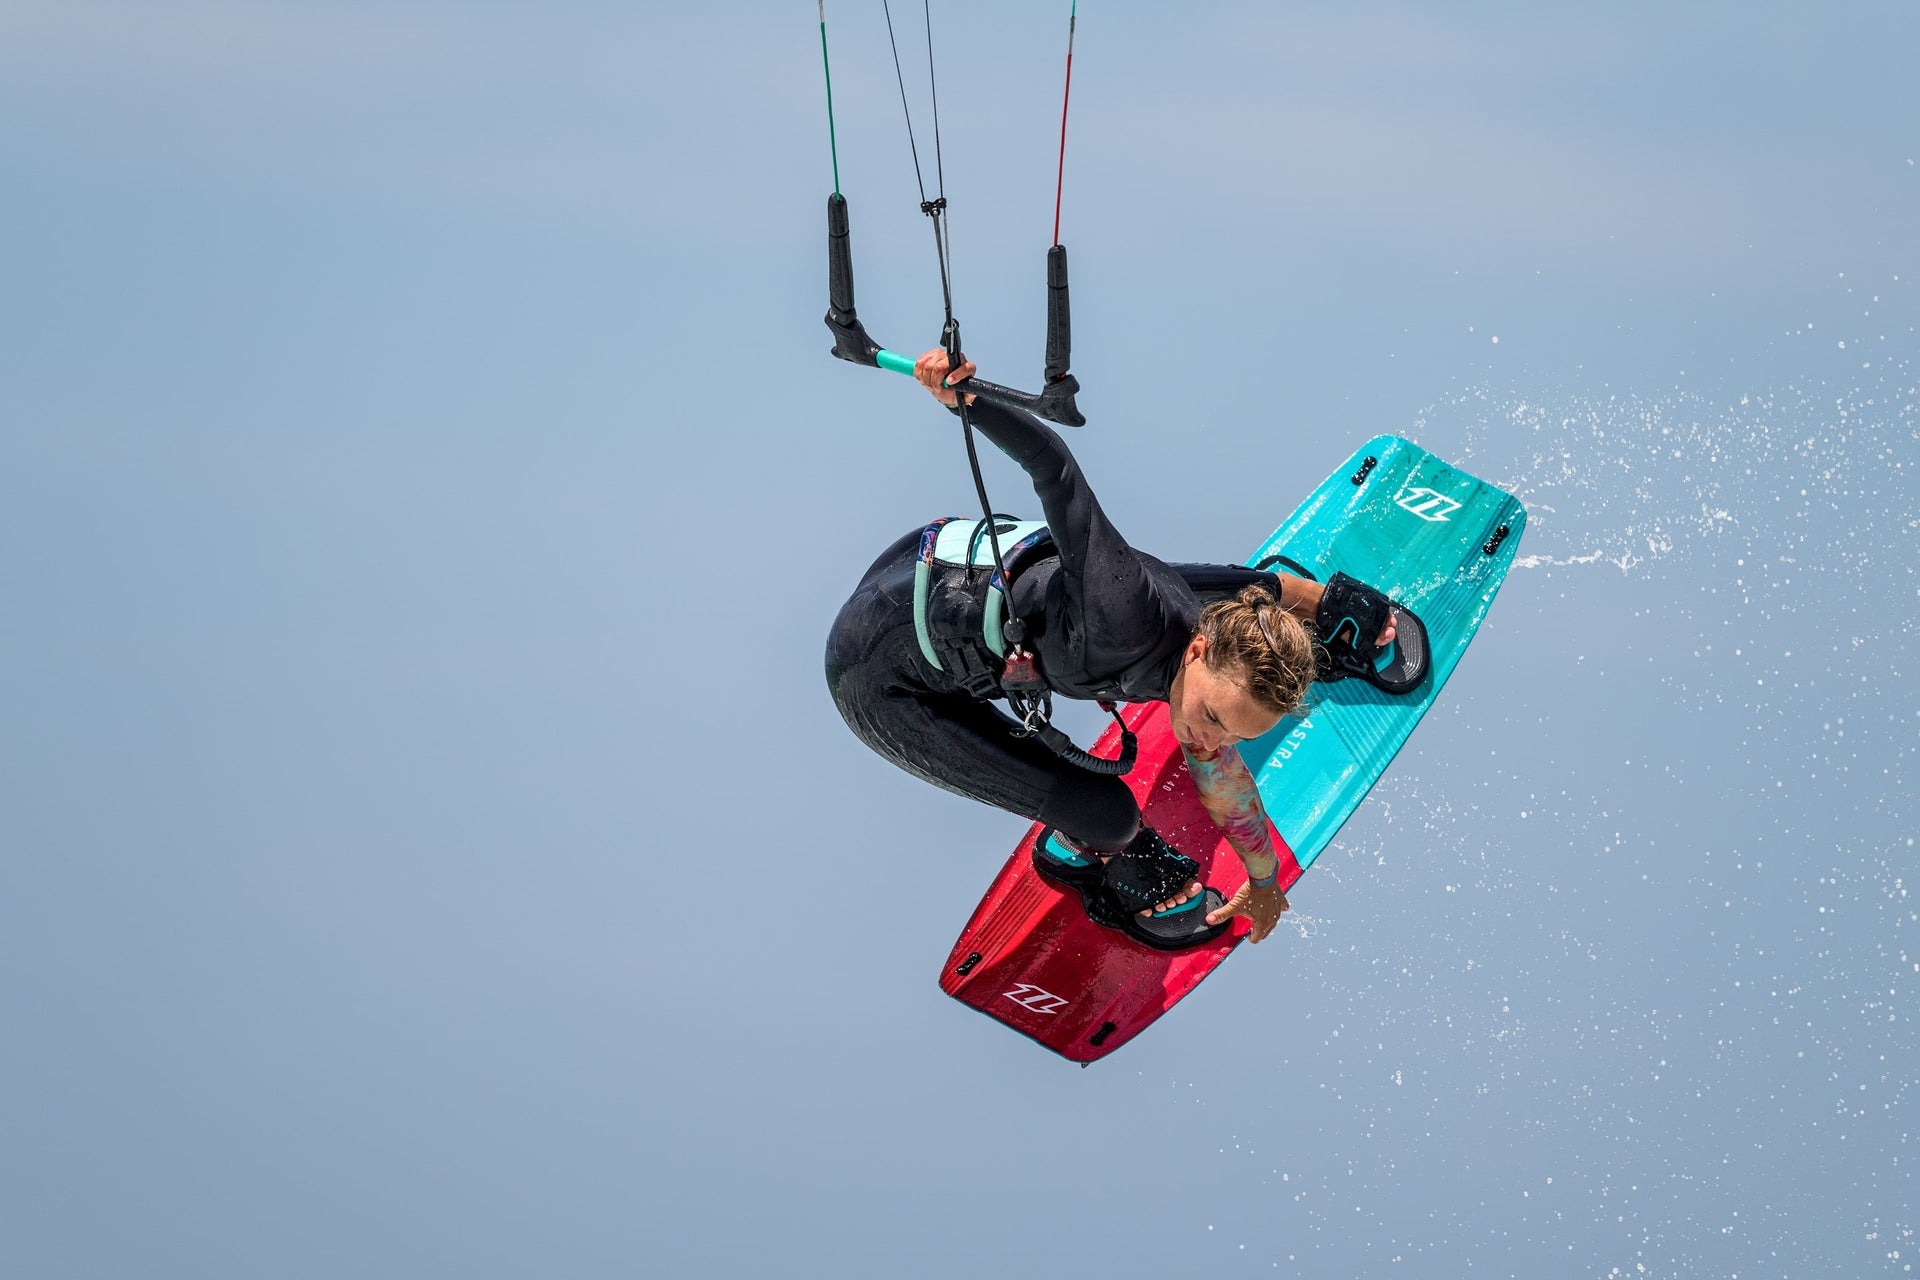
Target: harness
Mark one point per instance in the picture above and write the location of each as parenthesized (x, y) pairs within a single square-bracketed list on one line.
[(960, 618), (960, 597)]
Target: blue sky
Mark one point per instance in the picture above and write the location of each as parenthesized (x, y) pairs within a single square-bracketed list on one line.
[(429, 847)]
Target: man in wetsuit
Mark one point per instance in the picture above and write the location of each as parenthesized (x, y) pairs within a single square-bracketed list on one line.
[(1230, 650)]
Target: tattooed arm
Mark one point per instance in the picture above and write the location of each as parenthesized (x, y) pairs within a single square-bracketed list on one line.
[(1233, 802)]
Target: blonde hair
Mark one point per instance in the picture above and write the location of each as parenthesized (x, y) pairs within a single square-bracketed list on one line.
[(1258, 645)]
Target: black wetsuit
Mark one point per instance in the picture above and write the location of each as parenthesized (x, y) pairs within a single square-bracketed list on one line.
[(1104, 620)]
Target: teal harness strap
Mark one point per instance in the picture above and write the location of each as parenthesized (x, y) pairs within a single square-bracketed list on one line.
[(921, 574), (922, 588), (991, 628), (961, 542)]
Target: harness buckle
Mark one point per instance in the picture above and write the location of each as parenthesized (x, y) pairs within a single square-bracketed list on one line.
[(1026, 691), (1021, 671)]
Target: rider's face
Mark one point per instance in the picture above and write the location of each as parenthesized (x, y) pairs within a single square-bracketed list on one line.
[(1212, 709)]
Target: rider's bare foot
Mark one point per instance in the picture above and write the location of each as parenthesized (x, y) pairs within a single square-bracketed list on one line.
[(1192, 891)]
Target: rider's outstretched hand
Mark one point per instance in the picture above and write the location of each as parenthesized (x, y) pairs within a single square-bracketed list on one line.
[(931, 369), (1262, 907)]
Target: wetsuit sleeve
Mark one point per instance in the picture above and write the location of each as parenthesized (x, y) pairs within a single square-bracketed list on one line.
[(1210, 582), (1073, 514), (1114, 588)]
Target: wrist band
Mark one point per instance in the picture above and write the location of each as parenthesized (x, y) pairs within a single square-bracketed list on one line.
[(1258, 883)]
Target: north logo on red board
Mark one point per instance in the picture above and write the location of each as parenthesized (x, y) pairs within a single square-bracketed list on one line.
[(1035, 998)]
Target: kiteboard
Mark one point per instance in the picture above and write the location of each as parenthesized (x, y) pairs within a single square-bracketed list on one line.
[(1430, 536)]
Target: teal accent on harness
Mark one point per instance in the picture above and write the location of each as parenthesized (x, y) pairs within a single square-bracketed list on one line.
[(990, 626), (922, 576), (965, 542)]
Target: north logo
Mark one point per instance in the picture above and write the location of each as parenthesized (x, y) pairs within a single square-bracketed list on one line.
[(1028, 996), (1428, 504)]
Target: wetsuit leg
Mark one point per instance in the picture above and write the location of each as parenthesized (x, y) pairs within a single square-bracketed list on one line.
[(968, 746)]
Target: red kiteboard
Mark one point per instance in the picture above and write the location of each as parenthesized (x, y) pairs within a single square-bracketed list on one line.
[(1030, 958)]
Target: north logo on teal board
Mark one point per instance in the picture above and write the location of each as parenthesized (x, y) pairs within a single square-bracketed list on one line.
[(1428, 504)]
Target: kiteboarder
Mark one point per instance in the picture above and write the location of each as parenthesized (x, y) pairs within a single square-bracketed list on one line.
[(939, 626)]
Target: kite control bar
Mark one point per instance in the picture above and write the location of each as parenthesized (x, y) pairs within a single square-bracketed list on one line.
[(852, 343)]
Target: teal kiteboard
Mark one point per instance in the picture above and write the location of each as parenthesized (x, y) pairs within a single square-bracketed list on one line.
[(1430, 536)]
